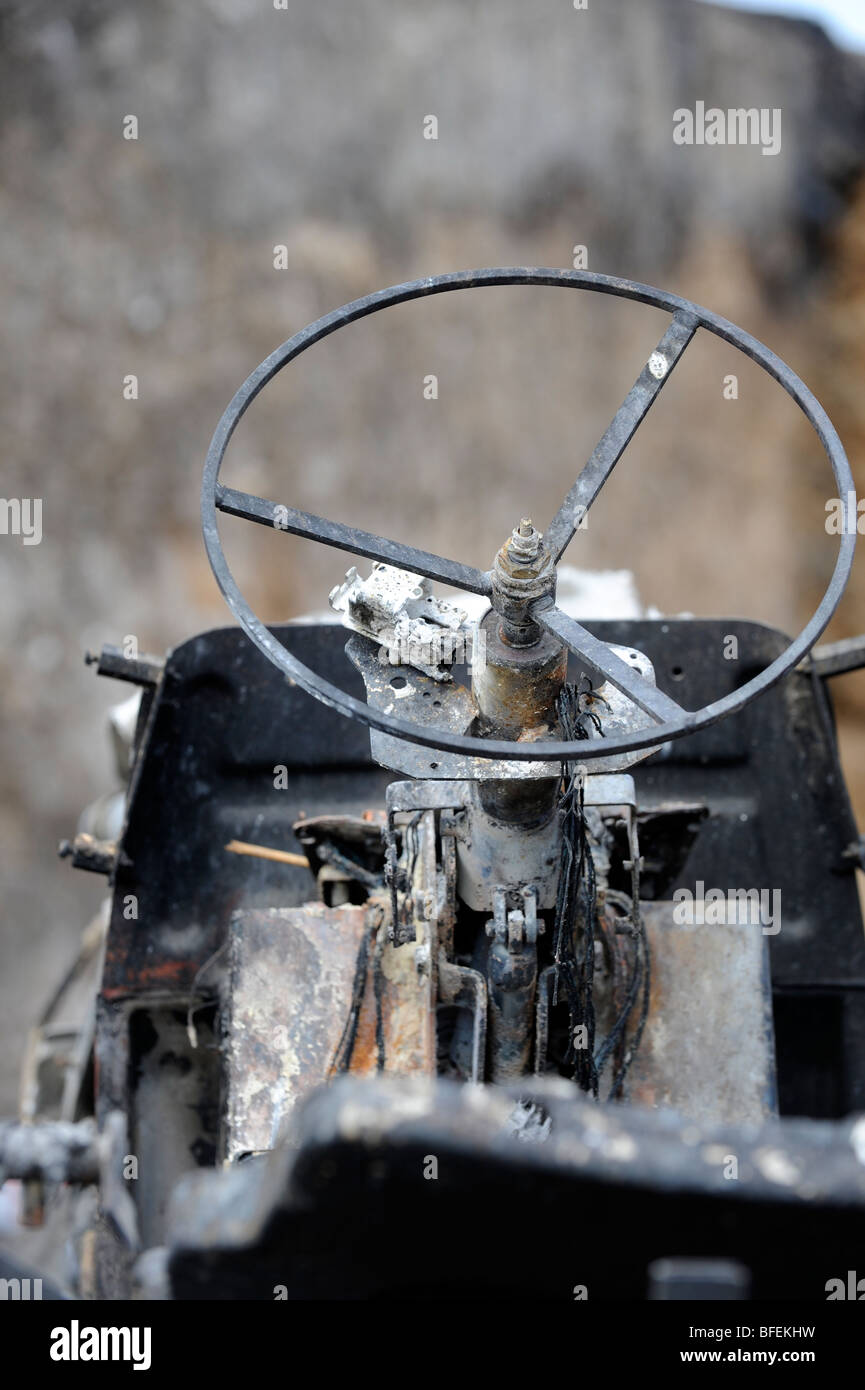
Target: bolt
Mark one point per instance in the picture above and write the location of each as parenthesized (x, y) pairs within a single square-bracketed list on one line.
[(525, 542), (523, 570)]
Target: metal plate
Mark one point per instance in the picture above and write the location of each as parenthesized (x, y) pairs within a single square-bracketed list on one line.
[(289, 993), (708, 1049), (451, 707), (288, 998)]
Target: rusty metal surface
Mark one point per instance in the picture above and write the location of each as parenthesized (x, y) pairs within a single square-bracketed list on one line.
[(289, 993), (408, 1018), (516, 688), (708, 1048), (290, 987)]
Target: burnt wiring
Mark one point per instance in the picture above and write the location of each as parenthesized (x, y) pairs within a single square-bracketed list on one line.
[(576, 905), (345, 1047), (378, 993), (639, 986), (576, 899), (373, 937), (373, 941)]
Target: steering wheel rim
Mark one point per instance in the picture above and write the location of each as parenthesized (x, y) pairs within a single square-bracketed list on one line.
[(687, 317)]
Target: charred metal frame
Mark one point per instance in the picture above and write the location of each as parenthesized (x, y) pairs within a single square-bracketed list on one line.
[(775, 812), (222, 717)]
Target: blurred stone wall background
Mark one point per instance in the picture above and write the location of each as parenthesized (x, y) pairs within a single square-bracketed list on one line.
[(305, 128)]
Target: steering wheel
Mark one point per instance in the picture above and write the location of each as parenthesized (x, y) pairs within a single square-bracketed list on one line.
[(670, 720)]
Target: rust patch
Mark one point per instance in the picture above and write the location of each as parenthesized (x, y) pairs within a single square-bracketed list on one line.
[(407, 1017), (166, 974)]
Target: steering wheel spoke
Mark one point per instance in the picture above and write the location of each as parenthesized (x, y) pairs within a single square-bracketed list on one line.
[(601, 661), (624, 425), (317, 528)]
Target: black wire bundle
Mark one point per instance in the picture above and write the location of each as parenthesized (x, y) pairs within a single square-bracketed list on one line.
[(576, 898), (641, 978), (373, 938), (577, 902)]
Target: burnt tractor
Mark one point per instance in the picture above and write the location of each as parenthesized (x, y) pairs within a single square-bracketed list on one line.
[(447, 958)]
